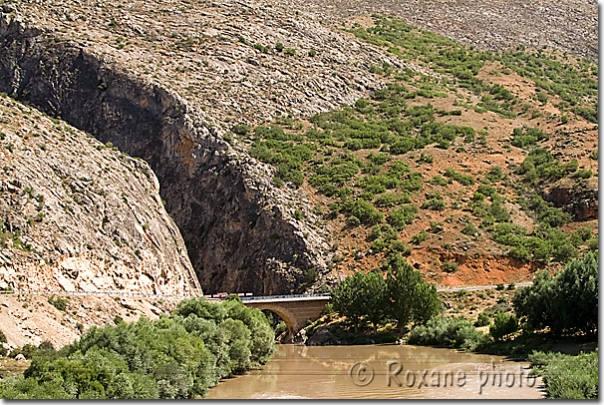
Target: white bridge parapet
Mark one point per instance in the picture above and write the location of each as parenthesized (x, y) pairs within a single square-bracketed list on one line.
[(283, 298)]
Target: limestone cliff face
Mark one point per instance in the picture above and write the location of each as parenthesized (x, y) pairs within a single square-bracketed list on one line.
[(238, 233), (78, 215)]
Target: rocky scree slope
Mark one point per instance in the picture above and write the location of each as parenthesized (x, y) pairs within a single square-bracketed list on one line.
[(78, 215), (155, 78)]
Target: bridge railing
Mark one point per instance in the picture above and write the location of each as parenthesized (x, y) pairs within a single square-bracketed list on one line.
[(277, 297)]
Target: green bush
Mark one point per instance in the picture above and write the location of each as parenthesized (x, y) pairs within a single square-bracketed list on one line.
[(434, 201), (59, 303), (469, 229), (240, 129), (353, 221), (566, 376), (483, 320), (388, 200), (450, 267), (566, 303), (363, 210), (458, 333), (436, 227), (462, 179), (419, 238), (179, 356), (401, 217), (504, 325), (439, 180)]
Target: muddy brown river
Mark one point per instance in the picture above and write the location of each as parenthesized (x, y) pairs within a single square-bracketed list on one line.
[(382, 371)]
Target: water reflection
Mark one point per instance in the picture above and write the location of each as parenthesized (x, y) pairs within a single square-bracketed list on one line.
[(323, 372)]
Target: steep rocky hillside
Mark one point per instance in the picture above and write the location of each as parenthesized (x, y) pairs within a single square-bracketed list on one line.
[(162, 85), (77, 215), (275, 185)]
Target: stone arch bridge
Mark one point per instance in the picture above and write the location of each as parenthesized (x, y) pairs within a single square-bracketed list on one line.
[(295, 310)]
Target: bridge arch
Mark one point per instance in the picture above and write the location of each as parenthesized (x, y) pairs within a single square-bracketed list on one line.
[(288, 317)]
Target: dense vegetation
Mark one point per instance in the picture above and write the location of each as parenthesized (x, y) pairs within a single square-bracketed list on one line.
[(566, 376), (566, 303), (403, 296), (458, 333), (176, 356), (563, 305)]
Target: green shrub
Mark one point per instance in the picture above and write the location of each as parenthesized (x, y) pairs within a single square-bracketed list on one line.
[(436, 227), (434, 201), (425, 158), (526, 136), (566, 376), (494, 174), (401, 217), (388, 200), (439, 181), (59, 303), (419, 238), (483, 320), (542, 97), (364, 211), (458, 333), (450, 267), (504, 325), (462, 179), (353, 221), (240, 129), (469, 229)]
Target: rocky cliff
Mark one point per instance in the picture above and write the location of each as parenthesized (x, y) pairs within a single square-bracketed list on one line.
[(238, 228), (79, 215)]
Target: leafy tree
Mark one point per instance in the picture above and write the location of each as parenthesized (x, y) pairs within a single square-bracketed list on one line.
[(566, 303), (410, 298), (374, 297), (346, 298)]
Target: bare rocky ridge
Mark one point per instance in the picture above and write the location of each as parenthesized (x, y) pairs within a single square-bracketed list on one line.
[(567, 25), (77, 215)]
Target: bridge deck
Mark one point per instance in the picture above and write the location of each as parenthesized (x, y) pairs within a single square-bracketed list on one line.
[(287, 298)]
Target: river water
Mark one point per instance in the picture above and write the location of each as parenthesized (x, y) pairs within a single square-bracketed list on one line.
[(381, 371)]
